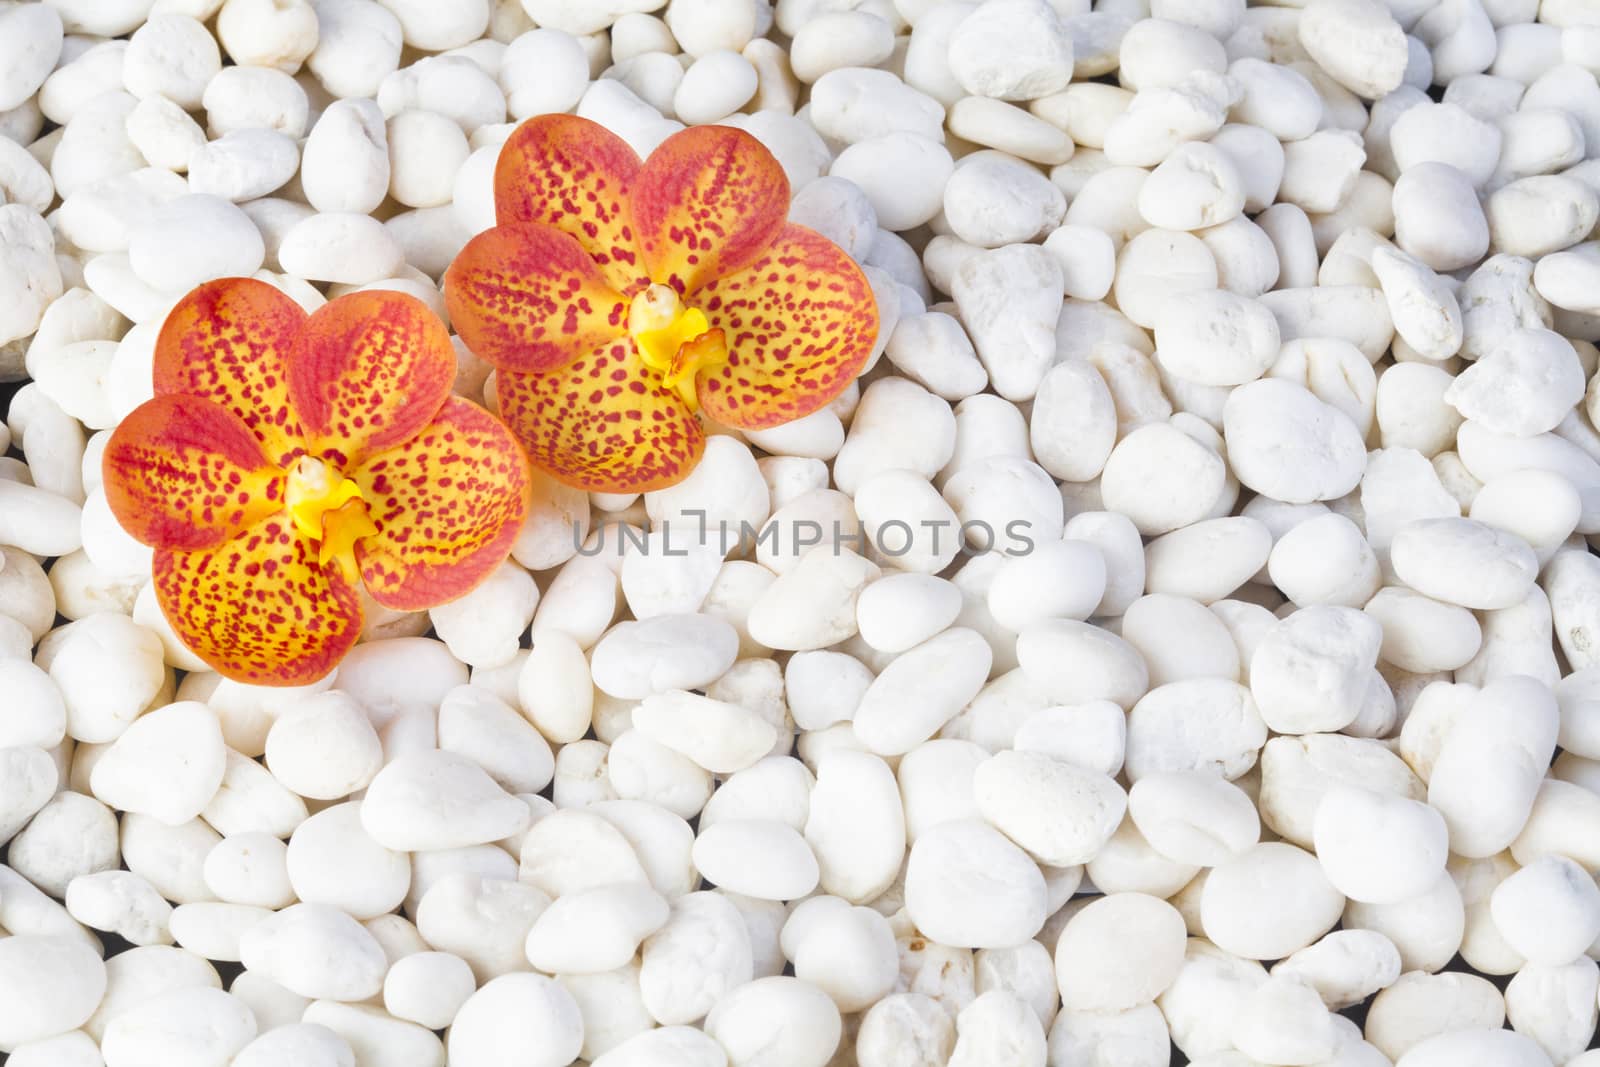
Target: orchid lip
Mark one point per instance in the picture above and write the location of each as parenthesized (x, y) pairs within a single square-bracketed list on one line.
[(674, 340), (328, 508)]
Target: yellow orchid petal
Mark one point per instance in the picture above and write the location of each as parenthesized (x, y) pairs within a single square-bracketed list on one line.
[(799, 324), (606, 423)]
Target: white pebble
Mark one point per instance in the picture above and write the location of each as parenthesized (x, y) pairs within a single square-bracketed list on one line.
[(250, 868), (922, 690), (167, 764), (900, 611), (636, 659), (1010, 299), (1320, 172), (1358, 43), (759, 858), (53, 985), (689, 965), (857, 103), (194, 1025), (244, 164), (1523, 386), (1007, 127), (1120, 951), (719, 736), (432, 800), (1461, 561), (331, 860), (718, 84), (1549, 911), (1013, 50), (902, 174), (968, 885), (744, 1021), (1486, 774), (173, 56), (1287, 444), (1268, 903), (517, 1020), (595, 930), (32, 44), (1474, 1047), (324, 747), (193, 239), (425, 151), (317, 951), (993, 200), (345, 166), (1156, 265), (1196, 186), (1193, 817), (1060, 813), (1215, 338), (249, 98), (1161, 478), (998, 1026), (305, 1044), (427, 988), (1275, 98), (855, 824), (358, 45), (1401, 861), (1159, 53), (377, 1034)]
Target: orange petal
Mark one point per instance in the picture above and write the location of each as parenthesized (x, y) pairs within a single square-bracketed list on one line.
[(230, 341), (575, 175), (529, 299), (799, 322), (259, 608), (184, 473), (372, 369), (448, 504), (606, 423), (709, 201)]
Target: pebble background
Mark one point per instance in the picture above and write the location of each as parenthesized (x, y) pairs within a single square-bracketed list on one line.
[(1202, 660)]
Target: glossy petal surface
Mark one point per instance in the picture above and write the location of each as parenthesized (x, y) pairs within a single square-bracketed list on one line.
[(708, 202), (530, 299), (258, 608), (448, 504), (182, 472), (799, 324), (231, 341), (371, 371), (575, 175), (605, 423)]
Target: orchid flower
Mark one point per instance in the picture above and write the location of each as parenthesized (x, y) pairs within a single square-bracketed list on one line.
[(617, 300), (288, 459)]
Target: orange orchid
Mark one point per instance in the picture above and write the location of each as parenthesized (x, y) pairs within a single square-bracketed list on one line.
[(285, 458), (617, 299)]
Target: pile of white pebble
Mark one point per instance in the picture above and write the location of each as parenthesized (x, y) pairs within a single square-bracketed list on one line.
[(1272, 735)]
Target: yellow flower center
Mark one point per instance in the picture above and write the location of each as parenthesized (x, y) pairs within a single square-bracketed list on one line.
[(674, 340), (328, 508)]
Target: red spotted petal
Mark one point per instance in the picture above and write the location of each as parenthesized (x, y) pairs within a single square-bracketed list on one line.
[(258, 608), (605, 423), (708, 202), (448, 505), (231, 341), (372, 370), (529, 299), (182, 472), (575, 175), (800, 323)]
